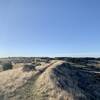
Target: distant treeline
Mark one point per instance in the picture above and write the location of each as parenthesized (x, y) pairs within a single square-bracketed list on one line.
[(86, 58), (79, 60), (82, 60)]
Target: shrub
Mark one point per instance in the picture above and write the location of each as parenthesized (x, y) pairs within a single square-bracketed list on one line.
[(7, 66), (28, 67)]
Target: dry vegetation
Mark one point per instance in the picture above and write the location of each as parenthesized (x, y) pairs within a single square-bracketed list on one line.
[(57, 80)]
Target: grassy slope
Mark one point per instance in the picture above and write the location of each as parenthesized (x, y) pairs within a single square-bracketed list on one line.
[(60, 81), (64, 81)]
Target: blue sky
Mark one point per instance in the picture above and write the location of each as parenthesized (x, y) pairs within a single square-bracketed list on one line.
[(49, 28)]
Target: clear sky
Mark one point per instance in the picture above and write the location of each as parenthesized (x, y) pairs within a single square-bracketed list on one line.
[(49, 28)]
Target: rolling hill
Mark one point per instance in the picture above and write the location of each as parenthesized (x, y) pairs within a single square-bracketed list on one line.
[(58, 80)]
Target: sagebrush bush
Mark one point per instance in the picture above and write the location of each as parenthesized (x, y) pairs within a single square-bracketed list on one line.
[(7, 66), (28, 67)]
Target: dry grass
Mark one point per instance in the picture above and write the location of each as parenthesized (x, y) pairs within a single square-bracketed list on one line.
[(47, 86), (13, 79), (55, 81)]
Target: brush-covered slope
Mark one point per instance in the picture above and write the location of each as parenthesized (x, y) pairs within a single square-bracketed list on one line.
[(64, 81), (56, 81)]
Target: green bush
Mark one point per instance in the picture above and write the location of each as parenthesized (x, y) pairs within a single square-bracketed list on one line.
[(7, 66)]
